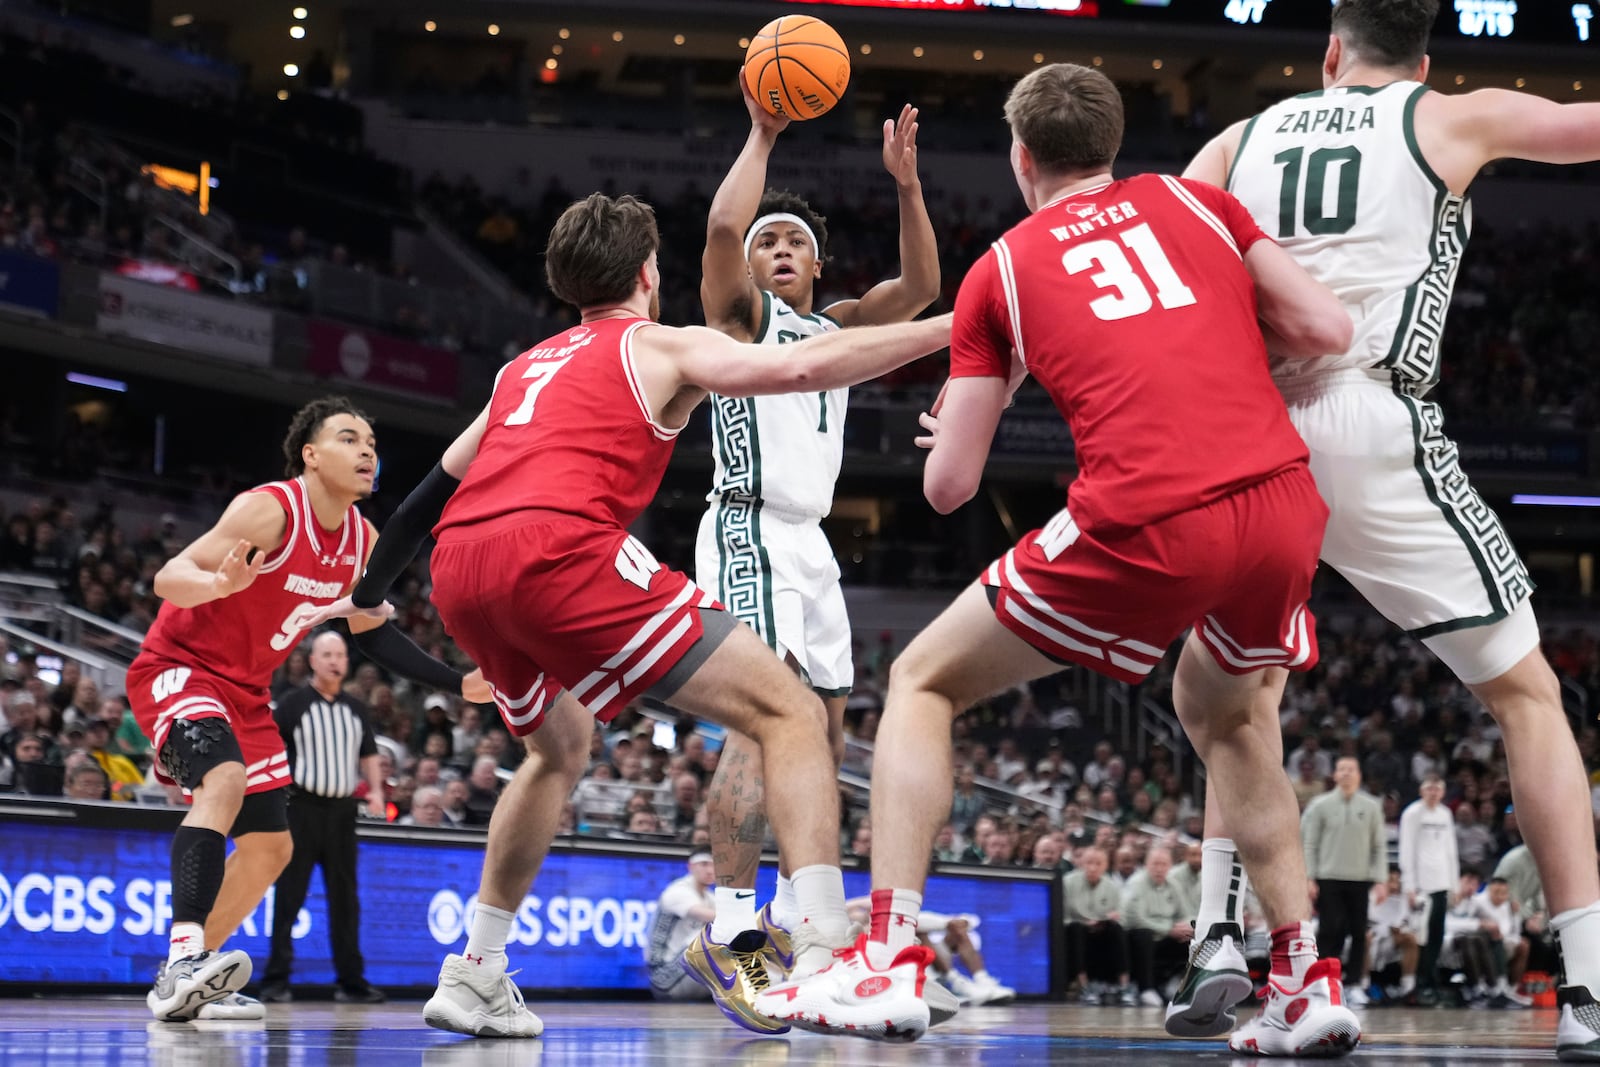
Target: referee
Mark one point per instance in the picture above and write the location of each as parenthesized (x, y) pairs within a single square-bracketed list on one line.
[(332, 747)]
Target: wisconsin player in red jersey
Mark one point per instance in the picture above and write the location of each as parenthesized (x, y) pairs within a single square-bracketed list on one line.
[(537, 578), (236, 601), (1134, 304)]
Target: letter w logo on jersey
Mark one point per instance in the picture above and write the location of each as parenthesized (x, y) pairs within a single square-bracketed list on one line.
[(636, 564), (169, 683)]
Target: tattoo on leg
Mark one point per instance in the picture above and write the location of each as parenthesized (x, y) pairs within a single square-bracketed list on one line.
[(734, 814)]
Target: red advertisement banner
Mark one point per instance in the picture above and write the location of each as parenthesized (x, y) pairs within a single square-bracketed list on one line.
[(378, 360)]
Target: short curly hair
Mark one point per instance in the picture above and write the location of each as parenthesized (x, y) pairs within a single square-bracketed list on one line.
[(305, 426), (782, 201)]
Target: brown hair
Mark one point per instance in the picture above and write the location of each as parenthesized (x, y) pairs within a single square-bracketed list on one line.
[(305, 426), (597, 247), (1388, 33), (1068, 117)]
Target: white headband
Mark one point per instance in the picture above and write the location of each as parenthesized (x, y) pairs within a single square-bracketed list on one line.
[(767, 220)]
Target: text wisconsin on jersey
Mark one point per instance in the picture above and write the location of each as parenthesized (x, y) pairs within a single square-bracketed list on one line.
[(303, 586)]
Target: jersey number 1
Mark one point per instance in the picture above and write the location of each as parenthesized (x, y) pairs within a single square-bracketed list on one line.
[(1116, 272)]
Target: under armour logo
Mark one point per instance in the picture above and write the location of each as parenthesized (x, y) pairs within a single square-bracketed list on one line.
[(903, 920), (330, 561), (473, 959)]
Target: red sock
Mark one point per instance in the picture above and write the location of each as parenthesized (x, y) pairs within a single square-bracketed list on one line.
[(1294, 950), (894, 917), (882, 906)]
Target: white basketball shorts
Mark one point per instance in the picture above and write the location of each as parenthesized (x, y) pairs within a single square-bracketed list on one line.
[(1407, 528), (779, 576)]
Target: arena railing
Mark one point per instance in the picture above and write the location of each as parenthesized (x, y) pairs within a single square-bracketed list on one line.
[(107, 673), (79, 627)]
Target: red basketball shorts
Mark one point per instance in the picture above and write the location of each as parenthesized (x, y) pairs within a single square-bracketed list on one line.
[(1238, 570), (548, 603), (162, 691)]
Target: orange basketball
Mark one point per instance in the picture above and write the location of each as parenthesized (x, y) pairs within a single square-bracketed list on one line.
[(797, 66)]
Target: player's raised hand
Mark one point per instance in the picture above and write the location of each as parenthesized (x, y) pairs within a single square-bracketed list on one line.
[(344, 608), (475, 689), (238, 569), (760, 117), (900, 147)]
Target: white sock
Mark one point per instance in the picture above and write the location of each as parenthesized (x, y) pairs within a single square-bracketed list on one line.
[(1222, 886), (736, 913), (982, 976), (1500, 985), (785, 910), (1579, 931), (819, 897), (187, 939), (486, 942), (1408, 982)]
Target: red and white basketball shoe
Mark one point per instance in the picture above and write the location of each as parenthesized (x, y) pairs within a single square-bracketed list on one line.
[(1310, 1021), (866, 991)]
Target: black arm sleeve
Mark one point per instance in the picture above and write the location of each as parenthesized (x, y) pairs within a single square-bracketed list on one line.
[(402, 535), (391, 649)]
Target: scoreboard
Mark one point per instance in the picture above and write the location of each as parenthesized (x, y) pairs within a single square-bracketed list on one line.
[(1531, 22)]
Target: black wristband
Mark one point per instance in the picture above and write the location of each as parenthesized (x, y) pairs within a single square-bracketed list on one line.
[(391, 649), (403, 534)]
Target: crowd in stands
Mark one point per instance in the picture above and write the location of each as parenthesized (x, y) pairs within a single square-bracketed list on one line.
[(1035, 785)]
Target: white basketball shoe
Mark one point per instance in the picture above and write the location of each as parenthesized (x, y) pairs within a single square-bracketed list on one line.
[(1309, 1021)]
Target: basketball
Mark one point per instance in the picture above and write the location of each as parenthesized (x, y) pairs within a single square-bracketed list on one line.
[(797, 66)]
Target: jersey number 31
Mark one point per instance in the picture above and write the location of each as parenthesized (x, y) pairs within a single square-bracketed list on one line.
[(1116, 272)]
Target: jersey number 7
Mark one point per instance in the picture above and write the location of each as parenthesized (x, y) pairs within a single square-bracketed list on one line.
[(537, 376)]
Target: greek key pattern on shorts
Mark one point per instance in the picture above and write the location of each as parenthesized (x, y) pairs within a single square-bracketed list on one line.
[(742, 578), (1415, 356), (1504, 574)]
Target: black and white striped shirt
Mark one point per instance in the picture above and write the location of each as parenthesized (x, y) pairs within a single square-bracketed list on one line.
[(326, 740)]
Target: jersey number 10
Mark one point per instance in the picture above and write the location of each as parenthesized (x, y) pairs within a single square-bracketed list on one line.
[(1315, 169)]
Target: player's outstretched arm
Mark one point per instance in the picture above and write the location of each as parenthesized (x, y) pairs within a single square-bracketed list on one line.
[(728, 295), (407, 529), (387, 645), (1302, 317), (903, 298), (964, 420), (226, 558), (702, 358), (1458, 135)]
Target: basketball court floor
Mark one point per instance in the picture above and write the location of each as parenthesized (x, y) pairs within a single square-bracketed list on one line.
[(120, 1033)]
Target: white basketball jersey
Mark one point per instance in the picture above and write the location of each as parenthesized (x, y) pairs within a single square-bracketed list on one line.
[(783, 451), (1338, 179)]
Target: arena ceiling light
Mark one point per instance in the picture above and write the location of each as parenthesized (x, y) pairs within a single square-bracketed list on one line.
[(94, 381), (291, 69), (1543, 500)]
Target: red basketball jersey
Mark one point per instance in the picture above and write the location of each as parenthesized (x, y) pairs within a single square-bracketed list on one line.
[(245, 637), (569, 431), (1130, 303)]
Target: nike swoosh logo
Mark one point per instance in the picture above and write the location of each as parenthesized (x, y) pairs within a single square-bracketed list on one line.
[(727, 980), (744, 896)]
